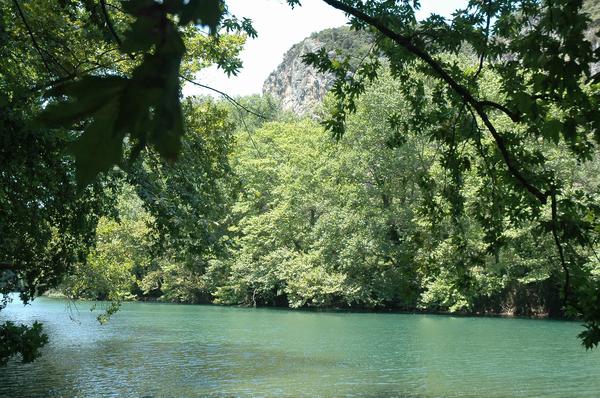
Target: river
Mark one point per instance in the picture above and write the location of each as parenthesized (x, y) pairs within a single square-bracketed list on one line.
[(168, 350)]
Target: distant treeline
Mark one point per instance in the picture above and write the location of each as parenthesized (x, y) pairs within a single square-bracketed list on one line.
[(271, 211)]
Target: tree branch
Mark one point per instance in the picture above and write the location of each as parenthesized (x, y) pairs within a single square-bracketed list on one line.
[(109, 24), (38, 48), (567, 284), (7, 267), (561, 254), (512, 115), (487, 37), (225, 95), (111, 28), (30, 32), (459, 89), (72, 76)]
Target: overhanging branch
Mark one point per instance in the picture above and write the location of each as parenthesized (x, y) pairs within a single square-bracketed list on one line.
[(224, 95), (31, 36), (459, 89), (111, 28), (512, 115)]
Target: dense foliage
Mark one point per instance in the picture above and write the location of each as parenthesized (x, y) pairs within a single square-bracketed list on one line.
[(48, 215), (546, 99), (464, 176), (366, 223)]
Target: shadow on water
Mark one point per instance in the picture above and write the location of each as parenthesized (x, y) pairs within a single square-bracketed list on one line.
[(167, 350), (117, 365)]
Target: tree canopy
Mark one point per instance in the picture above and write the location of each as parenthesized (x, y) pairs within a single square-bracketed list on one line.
[(65, 76), (546, 96), (501, 101)]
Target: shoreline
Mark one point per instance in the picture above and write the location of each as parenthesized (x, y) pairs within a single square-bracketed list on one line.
[(333, 309)]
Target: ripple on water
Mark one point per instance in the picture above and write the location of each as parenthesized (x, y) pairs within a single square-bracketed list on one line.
[(167, 350)]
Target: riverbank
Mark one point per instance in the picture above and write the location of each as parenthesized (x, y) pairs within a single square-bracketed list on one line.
[(158, 349), (338, 309)]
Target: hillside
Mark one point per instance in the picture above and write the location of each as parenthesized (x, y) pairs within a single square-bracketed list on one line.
[(300, 87)]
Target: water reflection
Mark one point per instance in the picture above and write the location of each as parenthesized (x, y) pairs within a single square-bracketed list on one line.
[(169, 350)]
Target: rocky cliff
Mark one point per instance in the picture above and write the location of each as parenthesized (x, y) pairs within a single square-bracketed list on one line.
[(592, 8), (300, 87)]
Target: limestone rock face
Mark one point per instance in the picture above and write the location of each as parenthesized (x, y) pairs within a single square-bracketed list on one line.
[(592, 8), (299, 87)]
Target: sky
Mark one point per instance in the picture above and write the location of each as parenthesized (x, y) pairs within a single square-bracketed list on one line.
[(279, 27)]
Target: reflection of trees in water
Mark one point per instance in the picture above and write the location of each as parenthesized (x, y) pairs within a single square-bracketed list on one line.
[(173, 350)]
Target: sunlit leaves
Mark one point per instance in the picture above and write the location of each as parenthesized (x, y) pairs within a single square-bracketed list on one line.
[(144, 105), (188, 197), (545, 102)]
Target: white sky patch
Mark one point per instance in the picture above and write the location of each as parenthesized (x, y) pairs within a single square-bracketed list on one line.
[(279, 27)]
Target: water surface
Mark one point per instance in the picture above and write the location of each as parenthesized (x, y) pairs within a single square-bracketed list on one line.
[(161, 350)]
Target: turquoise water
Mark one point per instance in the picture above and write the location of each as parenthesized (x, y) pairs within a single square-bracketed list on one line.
[(160, 350)]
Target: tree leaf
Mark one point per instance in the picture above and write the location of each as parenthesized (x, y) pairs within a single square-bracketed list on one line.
[(205, 12), (86, 97), (551, 129), (100, 146)]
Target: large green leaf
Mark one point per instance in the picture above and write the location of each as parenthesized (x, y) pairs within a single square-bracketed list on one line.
[(100, 146), (87, 96)]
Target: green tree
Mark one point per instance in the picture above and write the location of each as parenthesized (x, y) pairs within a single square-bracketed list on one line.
[(171, 225), (189, 201), (542, 110), (88, 54), (119, 259), (546, 94)]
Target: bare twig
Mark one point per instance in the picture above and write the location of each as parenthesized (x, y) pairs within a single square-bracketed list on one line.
[(224, 95)]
